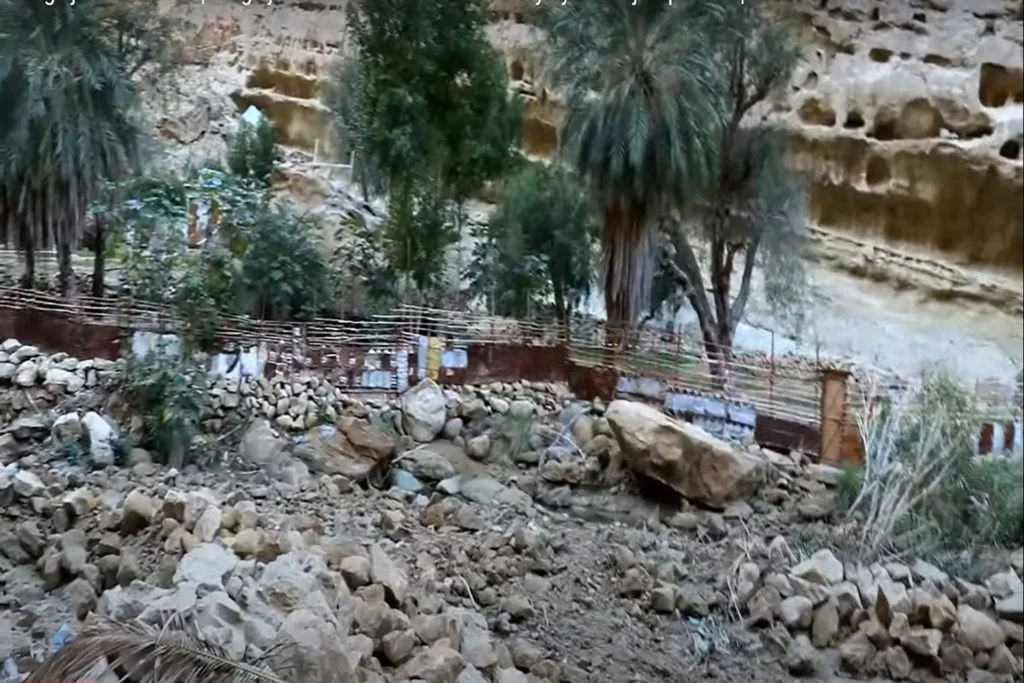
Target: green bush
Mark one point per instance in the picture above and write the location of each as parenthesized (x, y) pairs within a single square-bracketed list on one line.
[(165, 390), (254, 152), (284, 272)]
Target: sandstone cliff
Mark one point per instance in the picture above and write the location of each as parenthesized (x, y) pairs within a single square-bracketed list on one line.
[(906, 114)]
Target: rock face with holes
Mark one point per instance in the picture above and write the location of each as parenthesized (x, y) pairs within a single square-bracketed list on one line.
[(906, 118), (906, 114), (908, 121)]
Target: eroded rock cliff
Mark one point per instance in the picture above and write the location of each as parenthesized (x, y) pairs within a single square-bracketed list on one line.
[(907, 115)]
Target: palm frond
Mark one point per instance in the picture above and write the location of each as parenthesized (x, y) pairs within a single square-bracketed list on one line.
[(641, 114), (66, 123), (139, 653)]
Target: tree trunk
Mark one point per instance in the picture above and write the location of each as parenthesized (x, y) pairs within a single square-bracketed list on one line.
[(99, 262), (28, 278), (720, 358), (561, 312), (627, 273), (65, 273)]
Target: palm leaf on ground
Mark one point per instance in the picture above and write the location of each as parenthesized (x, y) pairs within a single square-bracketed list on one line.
[(136, 652)]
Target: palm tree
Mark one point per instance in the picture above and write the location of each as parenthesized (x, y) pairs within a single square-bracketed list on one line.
[(640, 111), (65, 125), (638, 126)]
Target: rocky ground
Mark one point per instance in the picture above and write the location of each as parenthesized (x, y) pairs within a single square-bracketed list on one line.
[(462, 535)]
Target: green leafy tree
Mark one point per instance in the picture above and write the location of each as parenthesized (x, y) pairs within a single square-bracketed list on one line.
[(254, 152), (752, 212), (416, 234), (641, 112), (343, 92), (536, 248), (435, 121), (65, 124), (284, 271), (142, 39)]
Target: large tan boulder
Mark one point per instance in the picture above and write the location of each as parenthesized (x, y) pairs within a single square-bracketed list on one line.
[(683, 456)]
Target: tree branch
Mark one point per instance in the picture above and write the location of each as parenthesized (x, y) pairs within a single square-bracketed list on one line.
[(740, 302), (688, 268)]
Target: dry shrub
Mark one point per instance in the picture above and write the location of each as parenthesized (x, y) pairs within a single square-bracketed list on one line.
[(923, 490)]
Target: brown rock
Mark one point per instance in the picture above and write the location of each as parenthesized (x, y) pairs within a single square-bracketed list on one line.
[(856, 653), (824, 624), (897, 663), (682, 456), (978, 631)]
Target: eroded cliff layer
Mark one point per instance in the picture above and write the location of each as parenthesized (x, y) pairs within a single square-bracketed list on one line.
[(907, 115), (907, 119)]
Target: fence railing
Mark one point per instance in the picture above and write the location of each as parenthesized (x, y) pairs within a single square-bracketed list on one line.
[(783, 386)]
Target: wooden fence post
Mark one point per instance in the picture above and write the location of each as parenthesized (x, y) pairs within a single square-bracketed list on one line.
[(834, 401)]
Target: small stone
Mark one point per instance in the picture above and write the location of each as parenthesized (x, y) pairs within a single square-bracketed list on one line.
[(847, 599), (478, 447), (978, 631), (208, 524), (137, 512), (1011, 607), (796, 612), (925, 571), (1002, 661), (824, 624), (82, 597), (856, 653), (355, 569), (663, 599), (922, 641), (397, 646), (897, 663), (518, 607), (1004, 584), (892, 598), (801, 659), (822, 567), (27, 484), (763, 605)]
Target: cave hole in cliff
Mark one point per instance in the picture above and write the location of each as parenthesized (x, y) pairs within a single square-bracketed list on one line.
[(517, 70), (876, 14), (999, 86), (884, 127), (854, 120), (877, 172), (815, 112), (1010, 149), (921, 16), (880, 54), (811, 81)]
